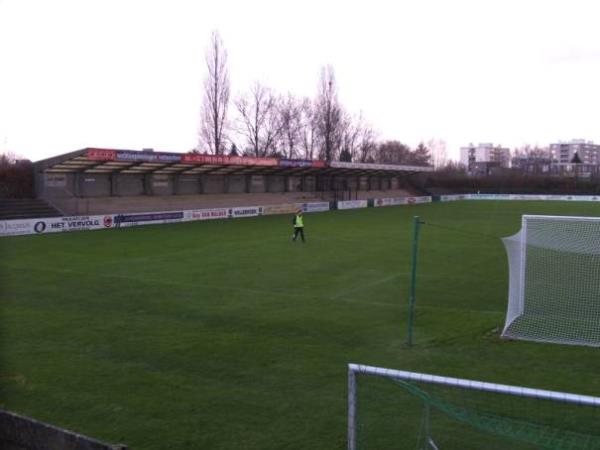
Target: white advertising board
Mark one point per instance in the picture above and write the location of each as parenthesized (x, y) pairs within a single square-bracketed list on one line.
[(352, 204), (454, 197), (206, 214), (245, 211), (400, 201), (315, 207), (55, 224)]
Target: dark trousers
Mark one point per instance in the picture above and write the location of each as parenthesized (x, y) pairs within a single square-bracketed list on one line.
[(298, 231)]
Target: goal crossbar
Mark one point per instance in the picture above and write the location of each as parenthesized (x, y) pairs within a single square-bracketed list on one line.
[(359, 369)]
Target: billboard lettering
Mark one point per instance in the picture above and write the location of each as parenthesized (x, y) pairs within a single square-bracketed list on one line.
[(391, 167), (147, 157), (302, 163), (207, 214), (150, 217), (400, 201), (248, 211), (285, 208), (194, 158), (352, 204), (100, 154), (315, 207)]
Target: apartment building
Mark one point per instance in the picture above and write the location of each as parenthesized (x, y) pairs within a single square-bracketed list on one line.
[(484, 153), (564, 152)]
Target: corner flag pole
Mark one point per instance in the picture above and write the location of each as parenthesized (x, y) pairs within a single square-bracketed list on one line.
[(413, 278)]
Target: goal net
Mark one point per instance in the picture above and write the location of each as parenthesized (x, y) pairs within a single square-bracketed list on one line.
[(554, 280), (395, 409)]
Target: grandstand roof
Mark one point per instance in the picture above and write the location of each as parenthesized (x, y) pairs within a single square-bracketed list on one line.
[(100, 160)]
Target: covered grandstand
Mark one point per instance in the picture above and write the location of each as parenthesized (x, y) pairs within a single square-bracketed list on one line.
[(98, 181)]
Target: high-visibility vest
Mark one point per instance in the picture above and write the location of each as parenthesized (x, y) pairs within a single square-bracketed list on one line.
[(299, 221)]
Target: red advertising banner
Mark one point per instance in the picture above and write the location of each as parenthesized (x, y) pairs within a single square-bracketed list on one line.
[(101, 154), (194, 158)]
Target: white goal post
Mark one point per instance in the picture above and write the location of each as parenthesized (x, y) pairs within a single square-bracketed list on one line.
[(554, 280), (450, 397)]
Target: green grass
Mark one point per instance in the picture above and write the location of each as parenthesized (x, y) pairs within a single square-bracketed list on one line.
[(226, 335)]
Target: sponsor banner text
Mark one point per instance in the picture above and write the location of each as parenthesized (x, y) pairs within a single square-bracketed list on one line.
[(352, 204)]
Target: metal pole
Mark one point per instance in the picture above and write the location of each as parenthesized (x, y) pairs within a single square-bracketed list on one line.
[(351, 409), (413, 279)]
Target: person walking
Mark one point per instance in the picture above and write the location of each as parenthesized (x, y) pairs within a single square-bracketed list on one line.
[(298, 222)]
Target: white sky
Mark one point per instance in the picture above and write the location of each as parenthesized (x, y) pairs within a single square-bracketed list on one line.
[(128, 74)]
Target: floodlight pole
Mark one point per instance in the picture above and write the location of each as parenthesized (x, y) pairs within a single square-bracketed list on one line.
[(413, 279)]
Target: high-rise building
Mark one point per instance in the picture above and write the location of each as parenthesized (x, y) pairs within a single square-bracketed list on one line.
[(564, 152), (484, 153)]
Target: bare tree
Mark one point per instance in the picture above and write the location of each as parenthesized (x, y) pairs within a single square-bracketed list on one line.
[(358, 139), (328, 115), (367, 144), (259, 120), (453, 168), (216, 96), (273, 129), (7, 158), (532, 151), (393, 152), (350, 132), (309, 138), (16, 176), (291, 112)]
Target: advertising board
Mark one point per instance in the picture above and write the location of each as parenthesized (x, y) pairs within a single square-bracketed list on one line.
[(400, 201), (368, 166), (129, 220), (17, 227), (54, 225), (206, 214), (302, 163), (352, 204), (195, 158), (315, 206), (285, 208), (245, 211), (454, 197), (100, 154)]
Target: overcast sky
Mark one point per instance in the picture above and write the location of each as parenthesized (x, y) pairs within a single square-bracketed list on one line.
[(128, 74)]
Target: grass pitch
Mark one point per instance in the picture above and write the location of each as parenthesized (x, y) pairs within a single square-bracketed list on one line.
[(227, 335)]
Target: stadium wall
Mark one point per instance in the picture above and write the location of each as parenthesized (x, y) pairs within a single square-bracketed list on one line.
[(520, 197), (257, 184), (56, 185), (107, 221), (131, 185), (52, 186), (188, 184), (94, 185), (275, 183)]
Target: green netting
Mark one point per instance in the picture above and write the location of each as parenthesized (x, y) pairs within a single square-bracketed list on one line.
[(539, 435)]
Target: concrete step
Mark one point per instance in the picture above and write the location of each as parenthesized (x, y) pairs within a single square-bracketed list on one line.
[(11, 209)]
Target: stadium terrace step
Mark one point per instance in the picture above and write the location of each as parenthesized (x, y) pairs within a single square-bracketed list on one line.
[(29, 207), (11, 209), (113, 205)]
